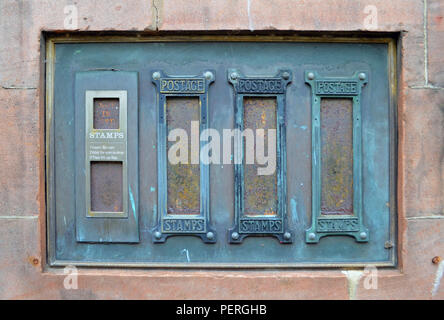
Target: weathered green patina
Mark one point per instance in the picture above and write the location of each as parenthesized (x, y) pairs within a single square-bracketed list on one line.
[(332, 152)]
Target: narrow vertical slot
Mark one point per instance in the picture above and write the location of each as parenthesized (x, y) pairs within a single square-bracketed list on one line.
[(336, 156), (183, 194), (260, 191)]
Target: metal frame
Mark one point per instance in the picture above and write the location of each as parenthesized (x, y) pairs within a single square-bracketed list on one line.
[(104, 227), (349, 225), (159, 233), (47, 133), (89, 104), (236, 234)]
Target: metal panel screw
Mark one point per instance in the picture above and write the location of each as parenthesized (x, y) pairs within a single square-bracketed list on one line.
[(235, 235), (157, 234), (286, 75), (208, 75), (362, 76), (210, 235), (234, 76), (363, 235), (310, 76), (287, 235), (388, 245), (156, 75), (311, 236)]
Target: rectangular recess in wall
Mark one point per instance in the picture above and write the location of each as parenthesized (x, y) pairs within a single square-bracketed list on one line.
[(187, 218)]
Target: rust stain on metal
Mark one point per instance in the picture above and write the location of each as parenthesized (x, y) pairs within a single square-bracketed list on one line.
[(183, 179), (337, 156), (260, 193), (106, 113), (106, 186)]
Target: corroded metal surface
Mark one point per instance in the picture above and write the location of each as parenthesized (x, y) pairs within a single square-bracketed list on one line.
[(260, 194), (337, 200), (337, 156), (106, 113), (183, 183), (106, 186), (143, 176), (183, 179)]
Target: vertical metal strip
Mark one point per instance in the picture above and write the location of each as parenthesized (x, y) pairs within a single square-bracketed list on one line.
[(281, 158), (161, 157), (204, 168), (357, 159)]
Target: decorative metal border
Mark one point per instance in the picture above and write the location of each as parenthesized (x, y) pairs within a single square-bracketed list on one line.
[(199, 88), (348, 225), (89, 104), (283, 77), (47, 144)]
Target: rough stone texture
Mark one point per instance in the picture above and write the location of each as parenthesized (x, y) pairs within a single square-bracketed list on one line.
[(423, 119), (423, 241), (19, 153), (18, 270), (412, 52), (21, 23), (21, 277), (20, 49), (435, 29), (421, 159), (313, 15), (310, 15)]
